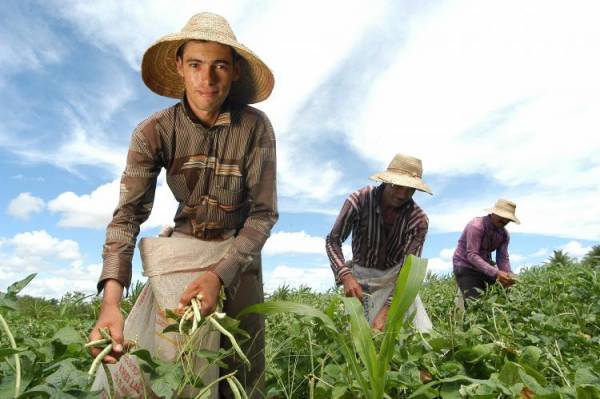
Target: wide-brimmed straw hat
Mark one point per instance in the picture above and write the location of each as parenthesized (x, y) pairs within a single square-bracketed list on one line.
[(506, 209), (404, 171), (159, 70)]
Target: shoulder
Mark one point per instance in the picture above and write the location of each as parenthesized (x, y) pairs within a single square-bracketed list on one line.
[(419, 217), (247, 115), (360, 197), (156, 121), (476, 223)]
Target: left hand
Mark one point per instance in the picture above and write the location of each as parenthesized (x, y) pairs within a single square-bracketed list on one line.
[(378, 322), (209, 285)]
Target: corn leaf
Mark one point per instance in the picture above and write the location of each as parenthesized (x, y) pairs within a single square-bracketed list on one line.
[(292, 307), (408, 285)]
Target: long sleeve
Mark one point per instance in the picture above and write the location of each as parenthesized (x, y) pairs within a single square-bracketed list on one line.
[(502, 259), (473, 240), (137, 188), (260, 180), (339, 233)]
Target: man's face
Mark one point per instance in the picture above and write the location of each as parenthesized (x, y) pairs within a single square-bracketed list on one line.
[(208, 71), (499, 221), (395, 196)]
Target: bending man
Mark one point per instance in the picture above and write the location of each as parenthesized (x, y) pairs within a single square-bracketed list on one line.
[(474, 268), (386, 226)]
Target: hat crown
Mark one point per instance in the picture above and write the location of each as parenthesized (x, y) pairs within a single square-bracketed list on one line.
[(506, 205), (406, 165), (209, 22)]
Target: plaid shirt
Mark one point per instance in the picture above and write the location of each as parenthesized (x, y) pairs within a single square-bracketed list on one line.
[(372, 246), (477, 242), (223, 178)]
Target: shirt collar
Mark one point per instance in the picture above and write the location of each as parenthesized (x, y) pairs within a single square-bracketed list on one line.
[(223, 119)]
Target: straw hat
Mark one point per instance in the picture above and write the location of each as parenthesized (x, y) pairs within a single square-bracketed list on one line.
[(506, 209), (159, 71), (404, 171)]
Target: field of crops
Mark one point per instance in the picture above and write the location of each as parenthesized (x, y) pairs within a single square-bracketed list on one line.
[(541, 339)]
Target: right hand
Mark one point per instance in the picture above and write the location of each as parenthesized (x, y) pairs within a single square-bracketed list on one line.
[(351, 287), (505, 279), (112, 318)]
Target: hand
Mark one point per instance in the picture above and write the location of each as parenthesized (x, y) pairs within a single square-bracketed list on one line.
[(351, 287), (378, 322), (112, 318), (505, 279), (208, 285)]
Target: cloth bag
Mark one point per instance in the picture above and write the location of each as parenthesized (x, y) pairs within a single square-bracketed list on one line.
[(170, 263), (378, 285)]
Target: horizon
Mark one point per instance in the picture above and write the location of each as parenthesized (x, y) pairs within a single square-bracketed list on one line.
[(494, 99)]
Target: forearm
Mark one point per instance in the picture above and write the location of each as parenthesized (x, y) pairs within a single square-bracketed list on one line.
[(333, 247), (479, 264), (245, 249), (113, 292)]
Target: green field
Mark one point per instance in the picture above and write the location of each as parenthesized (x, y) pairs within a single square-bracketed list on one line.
[(540, 339)]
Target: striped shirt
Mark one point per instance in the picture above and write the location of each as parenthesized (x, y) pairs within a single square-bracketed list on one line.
[(475, 246), (223, 178), (374, 244)]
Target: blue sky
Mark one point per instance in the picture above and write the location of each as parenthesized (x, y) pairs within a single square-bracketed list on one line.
[(498, 98)]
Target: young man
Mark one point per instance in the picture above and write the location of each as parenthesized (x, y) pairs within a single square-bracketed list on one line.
[(473, 266), (219, 156), (386, 226)]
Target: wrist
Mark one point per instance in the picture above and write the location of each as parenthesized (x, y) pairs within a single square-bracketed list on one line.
[(346, 278), (216, 277)]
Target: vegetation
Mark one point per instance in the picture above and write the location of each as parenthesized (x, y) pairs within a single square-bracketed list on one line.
[(539, 339)]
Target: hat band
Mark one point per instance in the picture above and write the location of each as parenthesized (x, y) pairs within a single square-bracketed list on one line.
[(404, 172)]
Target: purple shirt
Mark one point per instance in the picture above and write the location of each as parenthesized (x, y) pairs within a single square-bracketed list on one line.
[(477, 242)]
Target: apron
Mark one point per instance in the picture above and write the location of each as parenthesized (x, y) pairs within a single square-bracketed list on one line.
[(378, 286), (170, 263)]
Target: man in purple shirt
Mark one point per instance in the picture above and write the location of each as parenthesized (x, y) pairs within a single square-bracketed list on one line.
[(474, 268)]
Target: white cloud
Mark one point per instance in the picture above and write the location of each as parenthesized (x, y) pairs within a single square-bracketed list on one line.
[(95, 210), (575, 249), (318, 278), (458, 98), (539, 253), (58, 263), (25, 205), (441, 264), (41, 245), (515, 257), (293, 242)]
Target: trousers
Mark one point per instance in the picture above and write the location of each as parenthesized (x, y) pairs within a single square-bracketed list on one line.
[(250, 292), (471, 282)]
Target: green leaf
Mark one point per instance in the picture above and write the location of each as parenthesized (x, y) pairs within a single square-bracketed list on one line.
[(7, 302), (4, 352), (300, 309), (585, 376), (68, 335), (588, 392), (144, 355), (408, 284), (15, 288), (67, 376), (360, 332), (530, 356), (170, 376)]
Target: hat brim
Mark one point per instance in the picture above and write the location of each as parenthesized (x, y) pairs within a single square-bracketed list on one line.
[(504, 214), (159, 69), (402, 180)]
